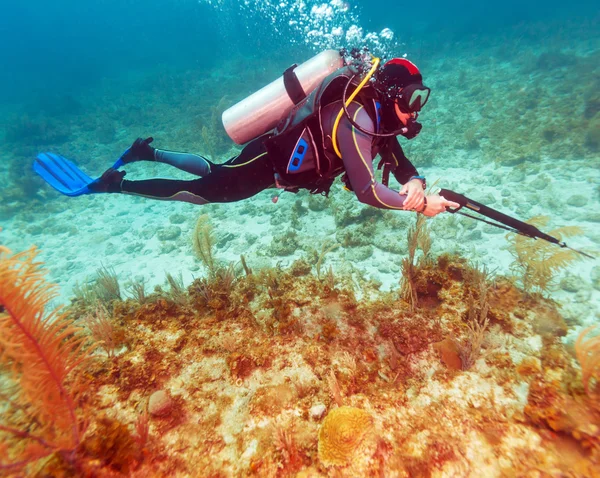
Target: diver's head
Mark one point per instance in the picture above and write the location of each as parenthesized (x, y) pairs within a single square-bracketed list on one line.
[(400, 83)]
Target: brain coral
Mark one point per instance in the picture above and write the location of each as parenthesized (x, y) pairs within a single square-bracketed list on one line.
[(342, 432)]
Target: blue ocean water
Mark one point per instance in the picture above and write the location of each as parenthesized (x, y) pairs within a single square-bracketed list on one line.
[(510, 80), (513, 122), (58, 47)]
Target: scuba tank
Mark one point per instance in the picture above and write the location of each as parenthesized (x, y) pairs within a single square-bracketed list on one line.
[(261, 111)]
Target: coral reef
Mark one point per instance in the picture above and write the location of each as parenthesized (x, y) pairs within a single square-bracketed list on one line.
[(341, 434), (42, 374), (49, 424), (587, 350), (537, 262), (289, 373)]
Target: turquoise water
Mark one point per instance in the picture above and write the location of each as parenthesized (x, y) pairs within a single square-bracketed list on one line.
[(513, 122), (515, 101)]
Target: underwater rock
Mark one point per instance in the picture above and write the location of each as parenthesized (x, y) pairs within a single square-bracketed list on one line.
[(358, 254), (277, 219), (110, 249), (120, 229), (317, 411), (467, 223), (167, 248), (248, 209), (225, 239), (160, 403), (574, 314), (547, 322), (147, 233), (473, 236), (177, 218), (168, 233), (448, 232), (487, 229), (583, 296), (494, 180), (572, 283), (284, 244), (35, 229), (317, 203), (516, 176), (134, 247), (539, 183), (384, 267), (250, 238), (593, 217), (577, 200), (342, 432), (487, 199), (354, 236), (390, 242), (449, 353)]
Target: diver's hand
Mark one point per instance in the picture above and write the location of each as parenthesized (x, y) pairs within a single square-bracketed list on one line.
[(437, 204), (414, 195), (141, 148)]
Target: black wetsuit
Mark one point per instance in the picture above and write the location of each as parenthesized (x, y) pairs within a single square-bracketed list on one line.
[(252, 171)]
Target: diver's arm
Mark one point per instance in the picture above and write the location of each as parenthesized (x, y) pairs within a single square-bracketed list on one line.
[(355, 148), (402, 168)]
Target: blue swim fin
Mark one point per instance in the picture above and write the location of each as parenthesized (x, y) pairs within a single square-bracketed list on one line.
[(120, 162), (62, 174)]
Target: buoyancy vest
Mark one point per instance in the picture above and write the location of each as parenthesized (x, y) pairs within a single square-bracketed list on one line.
[(301, 152)]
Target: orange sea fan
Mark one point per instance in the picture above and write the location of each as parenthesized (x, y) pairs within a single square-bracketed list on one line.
[(38, 353), (587, 350)]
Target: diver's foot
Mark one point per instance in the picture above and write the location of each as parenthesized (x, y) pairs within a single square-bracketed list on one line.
[(140, 150), (109, 182)]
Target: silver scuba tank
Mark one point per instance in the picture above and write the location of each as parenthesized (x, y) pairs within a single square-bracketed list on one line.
[(260, 112)]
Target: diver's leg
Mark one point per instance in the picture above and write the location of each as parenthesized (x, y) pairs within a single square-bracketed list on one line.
[(190, 163), (141, 150), (239, 178)]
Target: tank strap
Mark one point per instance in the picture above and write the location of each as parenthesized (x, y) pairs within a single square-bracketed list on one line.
[(387, 168), (292, 84)]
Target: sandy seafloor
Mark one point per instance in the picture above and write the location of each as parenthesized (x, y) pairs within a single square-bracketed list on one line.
[(142, 238), (118, 232)]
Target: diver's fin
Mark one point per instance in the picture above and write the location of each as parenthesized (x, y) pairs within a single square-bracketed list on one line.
[(121, 161), (62, 174)]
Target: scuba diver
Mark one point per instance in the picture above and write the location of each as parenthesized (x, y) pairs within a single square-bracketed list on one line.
[(354, 112)]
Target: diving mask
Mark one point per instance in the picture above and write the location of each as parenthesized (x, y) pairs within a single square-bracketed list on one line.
[(412, 97)]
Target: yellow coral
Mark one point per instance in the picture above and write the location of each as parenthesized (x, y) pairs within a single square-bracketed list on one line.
[(342, 432), (538, 262)]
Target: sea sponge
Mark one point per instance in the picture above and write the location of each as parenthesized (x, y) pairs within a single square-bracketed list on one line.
[(342, 432)]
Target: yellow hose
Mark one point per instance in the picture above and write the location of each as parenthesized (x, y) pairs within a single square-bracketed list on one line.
[(348, 101)]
